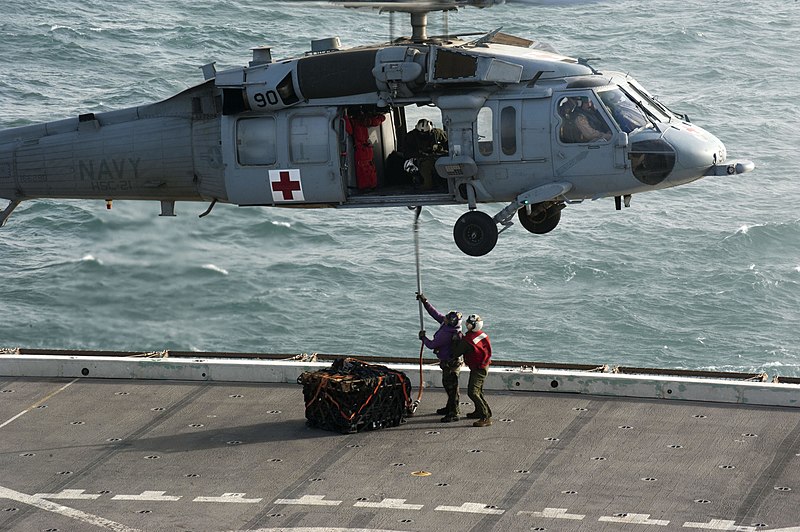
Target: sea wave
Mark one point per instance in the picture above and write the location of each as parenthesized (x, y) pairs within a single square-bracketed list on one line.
[(702, 276)]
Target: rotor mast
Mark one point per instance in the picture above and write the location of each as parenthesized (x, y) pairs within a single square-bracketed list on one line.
[(418, 10), (419, 26)]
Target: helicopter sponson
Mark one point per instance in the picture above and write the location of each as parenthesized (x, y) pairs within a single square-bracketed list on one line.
[(412, 122)]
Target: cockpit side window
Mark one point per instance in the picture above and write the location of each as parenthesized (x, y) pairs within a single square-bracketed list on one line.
[(623, 110), (581, 122)]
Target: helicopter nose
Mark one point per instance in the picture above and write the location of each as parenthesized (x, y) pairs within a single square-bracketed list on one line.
[(696, 150)]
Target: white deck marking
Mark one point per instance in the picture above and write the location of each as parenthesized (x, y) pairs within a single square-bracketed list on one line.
[(40, 500), (87, 518), (636, 519), (37, 403), (68, 494), (228, 497), (315, 500), (317, 529), (553, 513), (397, 504), (147, 496), (471, 508), (720, 524)]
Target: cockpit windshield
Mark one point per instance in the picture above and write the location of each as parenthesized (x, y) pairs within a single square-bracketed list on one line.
[(625, 112), (651, 105)]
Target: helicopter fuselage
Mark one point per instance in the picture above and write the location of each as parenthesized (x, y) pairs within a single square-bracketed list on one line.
[(332, 128)]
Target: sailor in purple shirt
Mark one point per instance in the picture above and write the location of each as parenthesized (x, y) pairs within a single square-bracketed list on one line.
[(442, 345)]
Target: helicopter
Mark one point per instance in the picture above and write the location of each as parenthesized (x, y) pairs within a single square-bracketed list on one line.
[(521, 126)]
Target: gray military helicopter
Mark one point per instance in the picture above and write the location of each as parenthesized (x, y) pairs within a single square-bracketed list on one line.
[(521, 125)]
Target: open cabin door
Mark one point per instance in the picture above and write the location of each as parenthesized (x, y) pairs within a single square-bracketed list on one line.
[(374, 149)]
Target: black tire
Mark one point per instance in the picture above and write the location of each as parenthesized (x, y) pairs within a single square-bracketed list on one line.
[(475, 233), (542, 222)]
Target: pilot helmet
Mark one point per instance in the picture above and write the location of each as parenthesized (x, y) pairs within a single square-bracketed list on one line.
[(474, 322), (453, 318), (424, 125), (566, 106)]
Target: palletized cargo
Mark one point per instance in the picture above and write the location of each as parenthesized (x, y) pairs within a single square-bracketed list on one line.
[(353, 395)]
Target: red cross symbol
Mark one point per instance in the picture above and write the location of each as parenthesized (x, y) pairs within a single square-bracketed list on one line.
[(286, 185)]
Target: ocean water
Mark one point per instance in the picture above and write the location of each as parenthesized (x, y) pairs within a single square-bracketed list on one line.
[(704, 276)]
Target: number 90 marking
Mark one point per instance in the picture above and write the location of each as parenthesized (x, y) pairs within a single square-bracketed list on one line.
[(269, 97)]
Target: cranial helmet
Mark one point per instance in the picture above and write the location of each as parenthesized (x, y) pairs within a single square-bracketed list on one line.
[(474, 322), (453, 318), (424, 125), (566, 106)]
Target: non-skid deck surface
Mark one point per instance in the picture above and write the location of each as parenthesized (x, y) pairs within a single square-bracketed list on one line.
[(84, 454)]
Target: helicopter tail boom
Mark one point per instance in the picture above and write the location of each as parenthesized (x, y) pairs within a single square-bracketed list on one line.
[(165, 151)]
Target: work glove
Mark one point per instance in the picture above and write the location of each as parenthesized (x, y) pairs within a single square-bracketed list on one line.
[(410, 167), (421, 297), (422, 335)]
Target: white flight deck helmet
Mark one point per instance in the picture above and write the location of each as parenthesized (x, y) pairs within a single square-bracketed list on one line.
[(474, 322)]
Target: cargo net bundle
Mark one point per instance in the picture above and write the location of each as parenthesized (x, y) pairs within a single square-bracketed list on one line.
[(352, 396)]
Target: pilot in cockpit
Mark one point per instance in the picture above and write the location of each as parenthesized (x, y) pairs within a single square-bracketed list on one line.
[(582, 122), (588, 121), (569, 131)]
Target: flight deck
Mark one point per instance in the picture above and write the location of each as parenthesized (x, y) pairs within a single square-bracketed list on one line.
[(196, 443)]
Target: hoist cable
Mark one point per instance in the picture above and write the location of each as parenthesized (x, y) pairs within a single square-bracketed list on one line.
[(415, 404)]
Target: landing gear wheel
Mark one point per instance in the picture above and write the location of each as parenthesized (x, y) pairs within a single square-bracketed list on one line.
[(543, 218), (475, 233)]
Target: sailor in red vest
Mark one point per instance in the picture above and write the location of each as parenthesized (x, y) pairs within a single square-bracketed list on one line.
[(477, 351)]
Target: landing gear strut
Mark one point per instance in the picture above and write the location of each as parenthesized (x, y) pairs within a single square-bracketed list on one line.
[(475, 233)]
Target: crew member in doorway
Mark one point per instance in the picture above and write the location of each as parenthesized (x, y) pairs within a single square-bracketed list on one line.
[(477, 352), (442, 343), (425, 144)]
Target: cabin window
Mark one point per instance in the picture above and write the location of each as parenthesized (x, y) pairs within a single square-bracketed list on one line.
[(256, 141), (485, 132), (508, 130), (309, 139)]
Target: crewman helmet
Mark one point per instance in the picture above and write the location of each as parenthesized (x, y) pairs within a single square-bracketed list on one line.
[(453, 318), (424, 125), (474, 322)]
